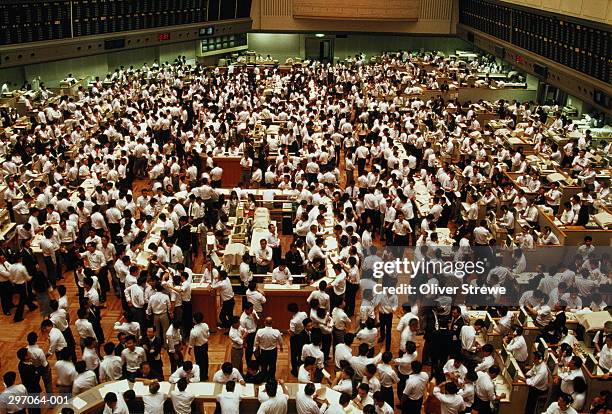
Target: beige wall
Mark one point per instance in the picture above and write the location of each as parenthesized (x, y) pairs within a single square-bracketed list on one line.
[(51, 73), (435, 17), (167, 53), (597, 10), (279, 46), (283, 46)]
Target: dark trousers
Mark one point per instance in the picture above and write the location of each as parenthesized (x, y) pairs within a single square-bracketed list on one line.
[(532, 399), (6, 296), (69, 337), (386, 322), (483, 407), (227, 312), (51, 268), (337, 336), (201, 358), (412, 406), (176, 359), (139, 315), (361, 163), (387, 395), (24, 298), (187, 317), (250, 342), (326, 341), (401, 384), (267, 362), (349, 298), (335, 299), (104, 283), (295, 346)]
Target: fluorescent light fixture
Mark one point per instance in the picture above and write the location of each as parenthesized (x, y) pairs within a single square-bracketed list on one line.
[(320, 35)]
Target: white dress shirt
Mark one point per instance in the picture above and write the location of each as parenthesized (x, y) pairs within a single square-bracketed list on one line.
[(268, 338), (229, 402), (181, 401), (416, 385)]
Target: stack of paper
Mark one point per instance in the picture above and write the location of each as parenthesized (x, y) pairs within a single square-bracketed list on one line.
[(118, 387)]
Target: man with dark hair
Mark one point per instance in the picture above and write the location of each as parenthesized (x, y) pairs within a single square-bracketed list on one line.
[(296, 327), (29, 374), (484, 391), (278, 401), (450, 402), (226, 293), (198, 342), (181, 399), (381, 406), (416, 384), (115, 404), (304, 400), (229, 400)]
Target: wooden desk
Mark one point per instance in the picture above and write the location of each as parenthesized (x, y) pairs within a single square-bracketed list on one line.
[(231, 170), (205, 300), (277, 299), (206, 393)]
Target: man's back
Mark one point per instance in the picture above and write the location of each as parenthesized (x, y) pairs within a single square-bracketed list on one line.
[(275, 405)]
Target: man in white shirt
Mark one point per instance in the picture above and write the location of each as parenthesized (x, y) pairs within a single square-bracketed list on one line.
[(416, 384), (226, 292), (132, 356), (537, 380), (268, 341), (605, 355), (85, 379), (229, 399), (189, 372), (181, 399), (111, 368), (517, 346), (198, 342), (277, 403), (115, 404), (450, 402), (10, 398), (304, 400), (227, 373), (485, 391)]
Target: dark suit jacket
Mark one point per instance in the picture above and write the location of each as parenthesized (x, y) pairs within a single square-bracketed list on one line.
[(30, 377), (183, 237)]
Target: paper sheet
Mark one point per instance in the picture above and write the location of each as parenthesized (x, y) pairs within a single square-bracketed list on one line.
[(246, 391), (201, 388), (79, 403), (118, 387)]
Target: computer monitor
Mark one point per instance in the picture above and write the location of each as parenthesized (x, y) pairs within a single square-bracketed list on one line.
[(522, 317), (503, 353), (512, 369), (552, 363), (542, 347), (591, 364)]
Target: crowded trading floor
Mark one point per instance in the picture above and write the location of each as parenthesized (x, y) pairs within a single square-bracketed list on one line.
[(217, 238)]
